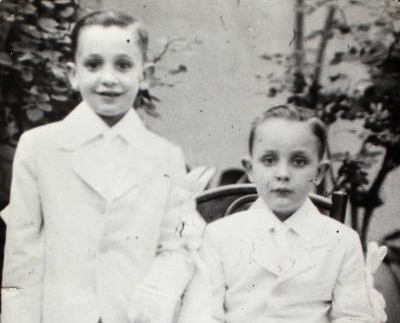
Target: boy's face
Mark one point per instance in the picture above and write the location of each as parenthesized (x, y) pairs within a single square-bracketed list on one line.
[(284, 164), (108, 68)]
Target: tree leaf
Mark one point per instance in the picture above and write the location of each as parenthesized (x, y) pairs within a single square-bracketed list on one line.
[(45, 107), (43, 97), (35, 114), (60, 98), (29, 10), (26, 58), (5, 60), (50, 55), (48, 24), (62, 2), (47, 4), (31, 31), (23, 46), (60, 88), (58, 73), (27, 74), (67, 12)]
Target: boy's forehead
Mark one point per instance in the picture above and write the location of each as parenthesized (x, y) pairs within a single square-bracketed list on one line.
[(282, 133), (97, 35)]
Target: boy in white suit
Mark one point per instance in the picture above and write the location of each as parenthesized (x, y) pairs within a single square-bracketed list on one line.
[(281, 261), (92, 229)]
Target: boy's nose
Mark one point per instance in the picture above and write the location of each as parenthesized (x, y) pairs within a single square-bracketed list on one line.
[(108, 78), (282, 172)]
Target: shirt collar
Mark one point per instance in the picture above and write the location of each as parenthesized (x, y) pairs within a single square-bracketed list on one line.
[(300, 222), (83, 125), (130, 127)]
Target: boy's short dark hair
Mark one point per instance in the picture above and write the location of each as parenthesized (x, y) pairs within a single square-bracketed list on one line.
[(108, 18), (292, 113)]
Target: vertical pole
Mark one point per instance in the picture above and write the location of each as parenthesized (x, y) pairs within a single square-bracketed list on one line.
[(323, 44), (339, 204), (298, 82)]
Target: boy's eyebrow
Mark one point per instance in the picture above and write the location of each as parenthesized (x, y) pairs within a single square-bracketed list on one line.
[(124, 56), (300, 152), (269, 151), (93, 55)]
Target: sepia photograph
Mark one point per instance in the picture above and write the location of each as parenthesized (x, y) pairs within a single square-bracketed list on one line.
[(185, 161)]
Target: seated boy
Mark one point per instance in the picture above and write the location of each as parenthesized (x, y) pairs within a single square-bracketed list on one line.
[(281, 260)]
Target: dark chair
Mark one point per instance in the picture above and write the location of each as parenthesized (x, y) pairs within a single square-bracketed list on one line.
[(224, 200)]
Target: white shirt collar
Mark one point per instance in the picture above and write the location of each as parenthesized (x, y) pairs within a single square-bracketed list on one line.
[(300, 222), (83, 125)]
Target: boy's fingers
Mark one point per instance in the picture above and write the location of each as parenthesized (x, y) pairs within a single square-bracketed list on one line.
[(382, 252), (196, 173), (205, 178), (197, 179)]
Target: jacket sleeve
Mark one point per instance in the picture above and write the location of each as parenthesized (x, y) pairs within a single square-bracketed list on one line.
[(160, 291), (350, 295), (23, 260), (204, 298)]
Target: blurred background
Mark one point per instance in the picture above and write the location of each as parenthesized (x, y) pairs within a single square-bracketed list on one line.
[(219, 64)]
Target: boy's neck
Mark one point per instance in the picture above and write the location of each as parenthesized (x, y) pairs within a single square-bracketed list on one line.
[(283, 216), (111, 120)]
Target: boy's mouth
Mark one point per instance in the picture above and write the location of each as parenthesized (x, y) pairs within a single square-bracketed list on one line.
[(109, 94), (282, 191)]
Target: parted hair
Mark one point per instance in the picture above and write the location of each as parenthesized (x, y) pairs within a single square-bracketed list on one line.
[(292, 113), (108, 18)]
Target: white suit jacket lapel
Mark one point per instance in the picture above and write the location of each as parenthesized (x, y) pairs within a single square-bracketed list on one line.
[(142, 159), (305, 252), (137, 170), (264, 252), (303, 258), (80, 126), (310, 245)]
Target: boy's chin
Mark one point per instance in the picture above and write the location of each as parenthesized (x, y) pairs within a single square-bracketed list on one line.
[(284, 211), (111, 112)]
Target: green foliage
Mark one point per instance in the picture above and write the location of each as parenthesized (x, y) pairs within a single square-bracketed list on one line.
[(33, 86)]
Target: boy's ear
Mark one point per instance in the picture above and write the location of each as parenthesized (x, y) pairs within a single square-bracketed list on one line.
[(248, 166), (71, 72), (321, 171), (149, 70)]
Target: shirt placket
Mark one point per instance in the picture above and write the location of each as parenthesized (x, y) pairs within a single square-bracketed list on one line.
[(281, 239), (110, 158)]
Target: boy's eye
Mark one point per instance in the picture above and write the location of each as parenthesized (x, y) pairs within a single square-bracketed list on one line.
[(299, 161), (123, 65), (93, 64), (268, 160)]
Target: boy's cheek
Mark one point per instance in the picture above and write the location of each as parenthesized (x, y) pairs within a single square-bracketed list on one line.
[(264, 185), (263, 188)]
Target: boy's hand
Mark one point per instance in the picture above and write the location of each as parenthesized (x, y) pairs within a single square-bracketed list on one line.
[(192, 184), (198, 179), (191, 224), (374, 258)]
